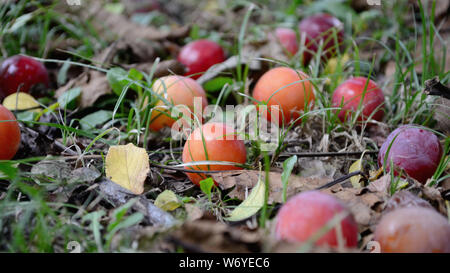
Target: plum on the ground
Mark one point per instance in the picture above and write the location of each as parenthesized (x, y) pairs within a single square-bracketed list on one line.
[(9, 134), (307, 213), (198, 56), (21, 73), (414, 150), (349, 94), (213, 141), (287, 90), (180, 92), (318, 29), (288, 39), (412, 230)]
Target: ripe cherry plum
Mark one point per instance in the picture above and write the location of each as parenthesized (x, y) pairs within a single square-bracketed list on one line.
[(306, 213), (349, 95), (179, 91), (415, 150), (287, 90), (198, 56), (213, 142), (412, 230), (319, 29), (288, 39), (9, 134), (21, 72)]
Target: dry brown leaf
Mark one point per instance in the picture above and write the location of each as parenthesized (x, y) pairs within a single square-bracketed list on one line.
[(134, 51), (120, 26), (381, 184), (403, 199), (211, 236), (442, 114), (364, 204), (245, 180), (93, 85), (434, 196), (193, 212)]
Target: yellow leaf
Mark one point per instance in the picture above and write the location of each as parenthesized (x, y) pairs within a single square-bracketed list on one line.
[(251, 205), (356, 166), (167, 200), (127, 165), (20, 101), (332, 64)]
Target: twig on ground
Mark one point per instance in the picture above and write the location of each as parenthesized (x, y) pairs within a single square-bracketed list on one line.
[(339, 180), (326, 154)]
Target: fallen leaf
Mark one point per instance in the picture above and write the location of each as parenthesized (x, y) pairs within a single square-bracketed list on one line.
[(404, 198), (128, 166), (442, 114), (84, 174), (332, 64), (382, 184), (154, 215), (92, 120), (167, 200), (118, 196), (365, 205), (21, 101), (211, 236), (69, 97), (55, 169), (355, 180), (246, 180), (118, 25), (193, 212), (251, 205), (93, 85)]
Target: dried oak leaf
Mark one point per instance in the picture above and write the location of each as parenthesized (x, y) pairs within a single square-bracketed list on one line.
[(245, 180)]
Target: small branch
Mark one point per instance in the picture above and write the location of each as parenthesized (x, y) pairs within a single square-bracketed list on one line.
[(339, 180), (329, 154), (63, 148), (187, 170), (434, 87)]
